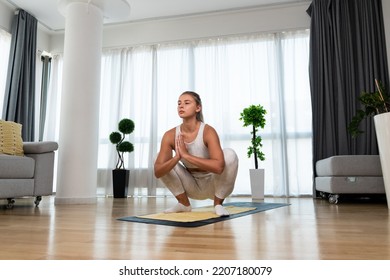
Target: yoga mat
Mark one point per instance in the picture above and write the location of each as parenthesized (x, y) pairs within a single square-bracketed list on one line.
[(203, 215)]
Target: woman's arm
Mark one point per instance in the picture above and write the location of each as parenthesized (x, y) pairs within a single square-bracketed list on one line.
[(216, 162), (165, 161)]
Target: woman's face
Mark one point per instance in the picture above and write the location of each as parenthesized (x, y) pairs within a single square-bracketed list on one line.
[(187, 107)]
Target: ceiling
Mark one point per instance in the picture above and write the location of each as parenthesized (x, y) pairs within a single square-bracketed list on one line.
[(48, 14)]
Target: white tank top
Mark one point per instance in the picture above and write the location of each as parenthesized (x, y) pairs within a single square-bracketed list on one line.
[(197, 147)]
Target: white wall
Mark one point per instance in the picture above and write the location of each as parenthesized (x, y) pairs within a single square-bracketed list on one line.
[(257, 20), (6, 16), (43, 40), (283, 17)]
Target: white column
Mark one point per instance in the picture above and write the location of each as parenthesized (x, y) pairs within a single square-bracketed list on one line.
[(79, 125), (79, 128)]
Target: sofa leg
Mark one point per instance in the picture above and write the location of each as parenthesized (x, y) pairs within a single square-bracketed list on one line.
[(333, 198), (323, 195), (37, 200), (11, 203)]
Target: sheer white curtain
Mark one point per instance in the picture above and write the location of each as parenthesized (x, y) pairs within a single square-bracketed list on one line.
[(296, 113), (5, 43), (143, 83), (128, 91)]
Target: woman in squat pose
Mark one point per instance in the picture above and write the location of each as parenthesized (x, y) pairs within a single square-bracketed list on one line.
[(199, 168)]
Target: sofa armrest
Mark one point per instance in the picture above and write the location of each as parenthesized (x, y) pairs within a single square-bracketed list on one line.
[(39, 147), (43, 154)]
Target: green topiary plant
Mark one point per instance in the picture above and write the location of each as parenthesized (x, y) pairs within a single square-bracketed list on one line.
[(125, 126), (374, 103), (254, 116)]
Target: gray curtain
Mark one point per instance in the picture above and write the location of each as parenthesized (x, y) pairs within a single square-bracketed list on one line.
[(46, 63), (20, 85), (347, 53)]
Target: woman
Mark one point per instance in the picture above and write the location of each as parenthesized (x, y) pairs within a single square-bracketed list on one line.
[(199, 168)]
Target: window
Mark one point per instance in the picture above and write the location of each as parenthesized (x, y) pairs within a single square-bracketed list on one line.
[(143, 83), (5, 43)]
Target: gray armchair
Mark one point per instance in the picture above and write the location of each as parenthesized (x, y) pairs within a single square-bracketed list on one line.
[(29, 175)]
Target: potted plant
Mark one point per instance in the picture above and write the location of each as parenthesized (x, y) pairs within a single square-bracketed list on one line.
[(120, 175), (377, 105), (374, 103), (254, 116)]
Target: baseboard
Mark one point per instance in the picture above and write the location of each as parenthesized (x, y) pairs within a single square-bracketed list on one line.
[(75, 200)]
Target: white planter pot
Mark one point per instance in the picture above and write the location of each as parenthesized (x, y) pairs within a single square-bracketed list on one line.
[(382, 128), (257, 183)]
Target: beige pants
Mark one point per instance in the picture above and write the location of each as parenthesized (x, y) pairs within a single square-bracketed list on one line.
[(204, 185)]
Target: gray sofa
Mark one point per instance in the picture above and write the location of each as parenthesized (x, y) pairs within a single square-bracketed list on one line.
[(349, 174), (28, 175)]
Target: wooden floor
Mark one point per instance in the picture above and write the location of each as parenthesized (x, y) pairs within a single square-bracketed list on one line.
[(308, 229)]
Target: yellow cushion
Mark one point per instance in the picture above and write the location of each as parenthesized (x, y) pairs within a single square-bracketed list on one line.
[(11, 142)]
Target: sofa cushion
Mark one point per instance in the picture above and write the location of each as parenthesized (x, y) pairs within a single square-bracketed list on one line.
[(11, 142), (350, 185), (12, 188), (349, 165), (15, 167)]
